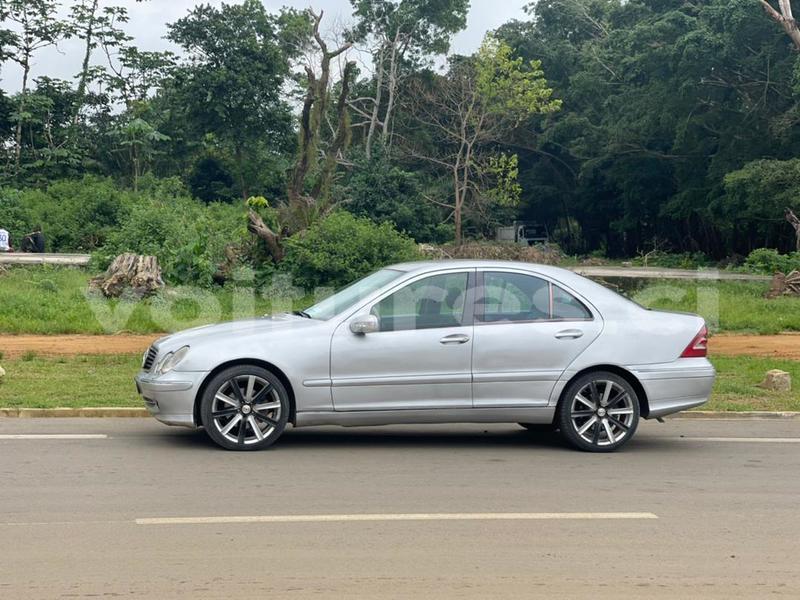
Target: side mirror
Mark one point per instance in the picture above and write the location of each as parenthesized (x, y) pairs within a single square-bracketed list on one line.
[(365, 324)]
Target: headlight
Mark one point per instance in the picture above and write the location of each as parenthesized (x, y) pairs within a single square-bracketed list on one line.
[(172, 359)]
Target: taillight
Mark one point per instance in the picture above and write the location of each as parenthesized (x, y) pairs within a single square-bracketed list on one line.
[(698, 347)]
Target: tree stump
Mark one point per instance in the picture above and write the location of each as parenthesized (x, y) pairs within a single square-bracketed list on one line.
[(784, 285), (793, 283), (141, 275), (777, 381)]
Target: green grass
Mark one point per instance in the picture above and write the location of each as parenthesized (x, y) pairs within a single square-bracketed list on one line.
[(92, 381), (71, 382), (737, 388), (728, 306), (52, 300)]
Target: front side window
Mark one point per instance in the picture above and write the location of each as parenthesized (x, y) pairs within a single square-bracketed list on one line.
[(514, 297), (436, 301)]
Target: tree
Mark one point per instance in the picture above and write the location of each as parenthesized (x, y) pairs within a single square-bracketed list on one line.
[(784, 18), (230, 82), (39, 27), (402, 34), (661, 101), (138, 140), (757, 195), (94, 26), (469, 111), (794, 221), (309, 187)]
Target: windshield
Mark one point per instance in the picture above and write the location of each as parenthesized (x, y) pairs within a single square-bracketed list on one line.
[(344, 299)]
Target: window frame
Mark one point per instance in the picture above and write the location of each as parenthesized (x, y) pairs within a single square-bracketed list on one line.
[(479, 310), (467, 319)]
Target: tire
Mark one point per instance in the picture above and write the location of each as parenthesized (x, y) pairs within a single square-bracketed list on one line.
[(539, 427), (245, 408), (599, 412)]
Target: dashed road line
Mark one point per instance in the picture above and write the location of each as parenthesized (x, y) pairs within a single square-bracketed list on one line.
[(393, 517)]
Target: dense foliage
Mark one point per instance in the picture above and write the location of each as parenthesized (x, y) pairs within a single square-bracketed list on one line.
[(661, 101), (343, 248), (627, 127)]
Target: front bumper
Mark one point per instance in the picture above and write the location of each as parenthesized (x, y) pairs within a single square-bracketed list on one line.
[(170, 398)]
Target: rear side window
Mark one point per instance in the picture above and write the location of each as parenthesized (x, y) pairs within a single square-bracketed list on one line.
[(567, 306), (514, 297)]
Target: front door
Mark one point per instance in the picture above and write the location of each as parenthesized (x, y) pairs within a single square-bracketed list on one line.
[(421, 356), (527, 332)]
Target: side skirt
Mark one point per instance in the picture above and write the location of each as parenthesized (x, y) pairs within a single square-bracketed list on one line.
[(543, 414)]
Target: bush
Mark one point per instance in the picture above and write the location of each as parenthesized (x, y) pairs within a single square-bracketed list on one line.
[(670, 260), (549, 254), (768, 261), (383, 192), (75, 215), (341, 248), (188, 238)]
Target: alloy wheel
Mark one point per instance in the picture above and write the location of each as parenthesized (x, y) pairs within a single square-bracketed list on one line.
[(602, 413), (246, 410)]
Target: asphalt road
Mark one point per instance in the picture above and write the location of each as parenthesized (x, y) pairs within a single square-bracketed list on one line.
[(713, 511)]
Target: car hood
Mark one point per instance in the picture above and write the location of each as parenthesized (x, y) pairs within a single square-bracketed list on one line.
[(212, 334)]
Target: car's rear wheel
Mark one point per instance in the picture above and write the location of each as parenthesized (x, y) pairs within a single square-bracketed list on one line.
[(599, 412), (245, 408)]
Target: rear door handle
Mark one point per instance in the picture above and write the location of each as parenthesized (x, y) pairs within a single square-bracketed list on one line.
[(456, 338), (569, 334)]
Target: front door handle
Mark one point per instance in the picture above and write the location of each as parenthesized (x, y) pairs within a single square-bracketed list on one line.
[(456, 338), (569, 334)]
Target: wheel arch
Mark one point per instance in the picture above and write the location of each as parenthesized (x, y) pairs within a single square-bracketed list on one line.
[(246, 361), (644, 403)]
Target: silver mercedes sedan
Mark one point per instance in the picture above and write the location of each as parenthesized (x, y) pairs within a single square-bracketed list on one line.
[(437, 342)]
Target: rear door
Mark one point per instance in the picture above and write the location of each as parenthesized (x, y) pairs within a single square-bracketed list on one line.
[(527, 331)]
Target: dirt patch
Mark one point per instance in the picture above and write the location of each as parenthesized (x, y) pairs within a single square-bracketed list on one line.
[(785, 345), (14, 346)]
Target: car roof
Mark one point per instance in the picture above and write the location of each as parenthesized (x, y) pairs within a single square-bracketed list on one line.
[(423, 266), (597, 294)]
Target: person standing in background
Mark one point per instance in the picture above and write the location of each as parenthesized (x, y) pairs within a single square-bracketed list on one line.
[(34, 241), (5, 241)]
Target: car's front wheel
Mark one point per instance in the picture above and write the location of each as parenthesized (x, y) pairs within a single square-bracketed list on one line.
[(245, 408), (599, 412)]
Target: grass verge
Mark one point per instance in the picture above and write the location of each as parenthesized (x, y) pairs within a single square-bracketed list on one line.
[(70, 382), (728, 306), (737, 388), (51, 300), (107, 380)]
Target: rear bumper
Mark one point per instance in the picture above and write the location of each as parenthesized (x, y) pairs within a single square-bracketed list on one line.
[(170, 398), (676, 386)]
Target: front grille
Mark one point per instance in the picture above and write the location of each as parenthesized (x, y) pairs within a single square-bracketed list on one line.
[(149, 358)]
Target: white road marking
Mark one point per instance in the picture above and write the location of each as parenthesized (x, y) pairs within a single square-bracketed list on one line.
[(746, 440), (54, 436), (393, 517)]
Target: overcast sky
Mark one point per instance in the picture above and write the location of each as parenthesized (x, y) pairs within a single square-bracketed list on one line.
[(148, 26)]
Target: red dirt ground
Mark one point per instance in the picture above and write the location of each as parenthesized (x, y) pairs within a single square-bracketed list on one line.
[(13, 346)]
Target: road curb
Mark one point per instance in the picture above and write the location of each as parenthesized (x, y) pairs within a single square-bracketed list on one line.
[(46, 413), (736, 416), (133, 412)]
